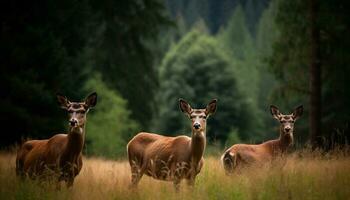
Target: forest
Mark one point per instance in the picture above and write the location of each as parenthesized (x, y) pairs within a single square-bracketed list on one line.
[(261, 87), (141, 56)]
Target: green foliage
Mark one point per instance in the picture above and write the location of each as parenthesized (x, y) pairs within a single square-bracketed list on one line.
[(40, 43), (237, 41), (267, 33), (291, 57), (215, 13), (196, 69), (236, 37), (233, 138), (253, 11), (53, 46), (109, 126), (195, 10), (123, 44), (238, 21)]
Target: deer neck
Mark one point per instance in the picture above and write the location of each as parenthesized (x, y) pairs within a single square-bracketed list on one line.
[(75, 144), (198, 142), (284, 141)]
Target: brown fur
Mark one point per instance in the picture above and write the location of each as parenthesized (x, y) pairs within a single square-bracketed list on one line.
[(243, 155), (60, 156), (170, 158)]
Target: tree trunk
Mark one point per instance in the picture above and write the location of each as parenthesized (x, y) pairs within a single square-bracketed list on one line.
[(315, 78)]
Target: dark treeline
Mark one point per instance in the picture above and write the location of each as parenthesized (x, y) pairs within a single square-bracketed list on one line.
[(216, 13), (294, 52), (56, 46), (315, 66), (140, 56)]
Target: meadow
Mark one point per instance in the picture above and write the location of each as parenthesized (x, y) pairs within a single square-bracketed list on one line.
[(300, 175)]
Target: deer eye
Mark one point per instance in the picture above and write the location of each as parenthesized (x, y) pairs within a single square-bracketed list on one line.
[(81, 112), (283, 121), (191, 117), (70, 111)]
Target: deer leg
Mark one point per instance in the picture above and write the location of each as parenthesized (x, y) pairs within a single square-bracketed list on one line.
[(191, 178), (58, 185), (178, 174), (65, 177), (136, 174), (177, 184), (135, 178), (69, 182), (191, 181), (69, 171)]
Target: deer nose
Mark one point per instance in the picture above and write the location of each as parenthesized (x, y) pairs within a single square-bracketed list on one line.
[(196, 125), (287, 129), (73, 122)]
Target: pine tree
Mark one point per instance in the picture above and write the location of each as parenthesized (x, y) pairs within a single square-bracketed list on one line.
[(197, 70)]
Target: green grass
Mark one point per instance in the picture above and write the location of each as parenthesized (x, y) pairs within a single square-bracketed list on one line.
[(301, 175)]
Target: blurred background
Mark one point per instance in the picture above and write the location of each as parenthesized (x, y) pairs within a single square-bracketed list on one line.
[(141, 56)]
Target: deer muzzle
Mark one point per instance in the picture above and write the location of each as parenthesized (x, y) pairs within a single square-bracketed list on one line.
[(196, 126), (287, 129), (73, 122)]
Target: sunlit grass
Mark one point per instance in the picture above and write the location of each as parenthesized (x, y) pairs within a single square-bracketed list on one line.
[(302, 175)]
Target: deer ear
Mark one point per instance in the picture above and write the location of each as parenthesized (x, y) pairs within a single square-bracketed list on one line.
[(275, 112), (185, 107), (298, 111), (63, 101), (91, 100), (211, 107)]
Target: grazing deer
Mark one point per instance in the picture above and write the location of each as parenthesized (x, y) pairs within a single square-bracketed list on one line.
[(61, 155), (171, 158), (240, 155)]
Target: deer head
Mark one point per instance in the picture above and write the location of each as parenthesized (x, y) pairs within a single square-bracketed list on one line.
[(198, 116), (77, 110), (286, 121)]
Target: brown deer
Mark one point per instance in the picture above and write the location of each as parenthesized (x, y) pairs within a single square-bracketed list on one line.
[(241, 155), (61, 155), (171, 158)]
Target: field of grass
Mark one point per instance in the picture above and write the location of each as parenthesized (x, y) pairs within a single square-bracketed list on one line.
[(302, 175)]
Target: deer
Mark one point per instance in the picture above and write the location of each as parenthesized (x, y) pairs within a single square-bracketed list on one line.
[(60, 157), (243, 155), (171, 158)]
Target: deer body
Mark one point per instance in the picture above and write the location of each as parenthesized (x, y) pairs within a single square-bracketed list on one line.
[(61, 155), (242, 155), (160, 156), (171, 158)]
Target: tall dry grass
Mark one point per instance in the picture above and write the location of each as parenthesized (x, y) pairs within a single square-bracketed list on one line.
[(301, 175)]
